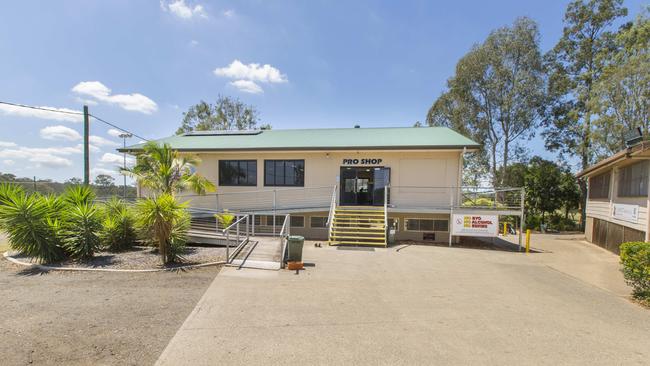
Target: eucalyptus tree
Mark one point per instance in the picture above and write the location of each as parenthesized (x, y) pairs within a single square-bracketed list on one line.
[(573, 68), (622, 94), (227, 113), (496, 93)]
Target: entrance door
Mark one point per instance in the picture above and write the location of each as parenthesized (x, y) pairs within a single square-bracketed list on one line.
[(363, 186)]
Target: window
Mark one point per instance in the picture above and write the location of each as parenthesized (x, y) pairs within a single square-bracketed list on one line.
[(286, 173), (599, 185), (257, 220), (318, 222), (279, 220), (297, 221), (633, 180), (426, 225), (237, 172), (440, 225)]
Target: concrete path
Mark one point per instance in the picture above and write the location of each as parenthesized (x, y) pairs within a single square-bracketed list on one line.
[(419, 305), (261, 252)]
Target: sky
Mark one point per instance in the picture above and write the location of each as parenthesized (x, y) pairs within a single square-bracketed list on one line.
[(302, 64)]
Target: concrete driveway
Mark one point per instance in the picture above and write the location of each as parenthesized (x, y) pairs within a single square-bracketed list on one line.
[(419, 305)]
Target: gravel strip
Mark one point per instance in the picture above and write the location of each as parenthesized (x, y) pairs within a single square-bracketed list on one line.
[(138, 258)]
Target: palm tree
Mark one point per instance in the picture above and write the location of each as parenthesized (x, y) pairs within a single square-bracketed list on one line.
[(164, 171)]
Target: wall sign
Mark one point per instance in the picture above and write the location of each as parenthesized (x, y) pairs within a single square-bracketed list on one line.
[(475, 225), (625, 212), (362, 161)]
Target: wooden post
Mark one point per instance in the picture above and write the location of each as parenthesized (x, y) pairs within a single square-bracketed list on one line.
[(86, 146)]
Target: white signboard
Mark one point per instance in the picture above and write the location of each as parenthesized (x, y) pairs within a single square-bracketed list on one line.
[(475, 225), (624, 212)]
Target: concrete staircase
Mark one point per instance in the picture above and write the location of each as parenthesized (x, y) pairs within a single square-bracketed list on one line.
[(358, 225)]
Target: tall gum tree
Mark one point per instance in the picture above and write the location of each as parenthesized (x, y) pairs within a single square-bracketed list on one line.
[(573, 67), (496, 94)]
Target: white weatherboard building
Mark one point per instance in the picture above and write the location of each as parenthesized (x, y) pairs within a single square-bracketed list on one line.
[(345, 185), (618, 200)]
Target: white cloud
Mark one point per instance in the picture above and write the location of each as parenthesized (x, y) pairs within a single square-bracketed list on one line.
[(97, 171), (180, 9), (253, 72), (39, 113), (8, 162), (229, 13), (110, 158), (60, 133), (194, 43), (130, 102), (114, 132), (247, 86), (100, 141), (7, 144), (247, 76), (42, 157)]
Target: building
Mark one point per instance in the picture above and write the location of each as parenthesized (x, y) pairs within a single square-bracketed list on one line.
[(345, 184), (617, 198)]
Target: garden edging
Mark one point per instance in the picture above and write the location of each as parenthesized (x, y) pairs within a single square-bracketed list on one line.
[(7, 256)]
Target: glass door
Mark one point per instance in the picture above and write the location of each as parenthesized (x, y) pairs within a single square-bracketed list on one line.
[(363, 186)]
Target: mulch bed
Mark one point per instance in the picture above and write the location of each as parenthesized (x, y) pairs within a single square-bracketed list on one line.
[(138, 258)]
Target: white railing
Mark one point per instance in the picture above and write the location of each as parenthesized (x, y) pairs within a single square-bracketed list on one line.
[(422, 197), (264, 200), (330, 216), (284, 237), (386, 190), (240, 241)]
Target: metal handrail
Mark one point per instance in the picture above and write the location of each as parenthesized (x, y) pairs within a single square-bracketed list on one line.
[(240, 243), (330, 216), (286, 226)]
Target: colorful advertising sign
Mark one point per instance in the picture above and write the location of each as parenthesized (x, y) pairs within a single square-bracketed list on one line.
[(475, 225)]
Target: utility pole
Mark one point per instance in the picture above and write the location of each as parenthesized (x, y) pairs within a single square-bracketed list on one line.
[(86, 146), (125, 136)]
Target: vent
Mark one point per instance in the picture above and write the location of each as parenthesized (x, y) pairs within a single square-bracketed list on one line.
[(223, 133)]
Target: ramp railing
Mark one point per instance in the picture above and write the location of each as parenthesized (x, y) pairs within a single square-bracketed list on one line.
[(284, 238)]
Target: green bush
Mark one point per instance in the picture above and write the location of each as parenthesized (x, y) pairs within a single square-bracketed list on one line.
[(32, 227), (635, 258), (165, 222), (81, 227), (8, 190), (79, 195), (118, 231)]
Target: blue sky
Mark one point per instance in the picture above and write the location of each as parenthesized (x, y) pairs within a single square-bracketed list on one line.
[(140, 64)]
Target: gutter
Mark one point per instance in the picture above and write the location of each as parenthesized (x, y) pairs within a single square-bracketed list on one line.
[(311, 148), (628, 153)]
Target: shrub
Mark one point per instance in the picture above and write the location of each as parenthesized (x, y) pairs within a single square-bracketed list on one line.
[(165, 222), (8, 190), (31, 229), (225, 218), (118, 231), (79, 195), (81, 226), (635, 258)]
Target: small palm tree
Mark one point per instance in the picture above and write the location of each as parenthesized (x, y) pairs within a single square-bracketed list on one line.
[(165, 221), (162, 169)]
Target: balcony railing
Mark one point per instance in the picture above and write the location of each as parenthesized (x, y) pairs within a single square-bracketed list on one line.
[(420, 198)]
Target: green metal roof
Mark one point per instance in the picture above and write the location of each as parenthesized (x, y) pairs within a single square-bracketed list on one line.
[(320, 139)]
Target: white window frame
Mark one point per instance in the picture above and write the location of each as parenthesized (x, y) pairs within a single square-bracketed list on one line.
[(317, 227)]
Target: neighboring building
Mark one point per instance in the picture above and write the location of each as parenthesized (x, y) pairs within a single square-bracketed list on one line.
[(617, 198), (316, 173)]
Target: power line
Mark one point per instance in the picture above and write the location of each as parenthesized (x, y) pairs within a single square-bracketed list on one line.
[(42, 108), (119, 128), (73, 113)]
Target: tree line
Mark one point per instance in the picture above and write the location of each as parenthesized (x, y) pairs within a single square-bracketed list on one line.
[(583, 95)]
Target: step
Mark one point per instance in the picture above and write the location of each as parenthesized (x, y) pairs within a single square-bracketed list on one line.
[(380, 214), (376, 232), (357, 243), (381, 238), (358, 218)]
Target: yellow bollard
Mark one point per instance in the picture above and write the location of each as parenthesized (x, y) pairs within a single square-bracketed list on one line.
[(505, 228), (527, 241)]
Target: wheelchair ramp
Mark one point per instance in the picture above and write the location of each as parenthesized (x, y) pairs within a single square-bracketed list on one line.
[(260, 253)]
